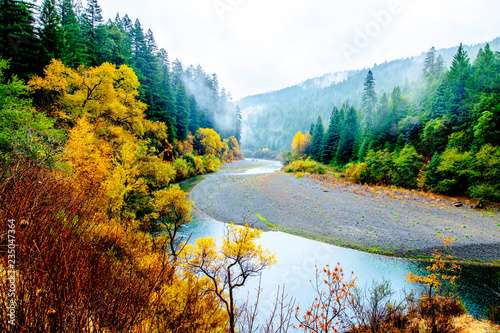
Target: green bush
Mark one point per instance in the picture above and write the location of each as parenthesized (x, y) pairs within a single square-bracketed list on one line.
[(307, 165), (358, 173)]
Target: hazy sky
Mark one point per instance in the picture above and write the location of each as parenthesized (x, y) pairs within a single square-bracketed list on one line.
[(256, 46)]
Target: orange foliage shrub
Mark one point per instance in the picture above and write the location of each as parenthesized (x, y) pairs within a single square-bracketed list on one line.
[(327, 312)]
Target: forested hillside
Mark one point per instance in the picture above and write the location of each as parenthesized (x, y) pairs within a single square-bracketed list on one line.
[(272, 119), (95, 128), (442, 136), (183, 98)]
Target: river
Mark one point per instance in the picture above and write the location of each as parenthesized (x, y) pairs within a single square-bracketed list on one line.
[(297, 258)]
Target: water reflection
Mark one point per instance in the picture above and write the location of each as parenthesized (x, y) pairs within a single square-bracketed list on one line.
[(297, 259)]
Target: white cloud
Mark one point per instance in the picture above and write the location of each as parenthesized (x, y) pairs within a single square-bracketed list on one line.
[(262, 45)]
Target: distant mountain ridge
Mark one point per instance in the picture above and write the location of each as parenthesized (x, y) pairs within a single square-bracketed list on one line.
[(270, 120)]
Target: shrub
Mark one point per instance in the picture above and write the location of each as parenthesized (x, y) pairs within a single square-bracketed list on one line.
[(70, 277), (181, 168), (358, 173), (493, 314), (307, 165), (210, 163)]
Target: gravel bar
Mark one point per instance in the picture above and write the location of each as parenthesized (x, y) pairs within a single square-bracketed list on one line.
[(401, 222)]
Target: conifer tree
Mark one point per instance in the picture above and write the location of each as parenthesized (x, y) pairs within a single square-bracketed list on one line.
[(167, 112), (177, 72), (431, 178), (91, 19), (369, 99), (50, 33), (17, 37), (429, 63), (194, 122), (237, 123), (182, 108), (456, 83), (332, 136), (345, 148), (317, 140), (73, 44)]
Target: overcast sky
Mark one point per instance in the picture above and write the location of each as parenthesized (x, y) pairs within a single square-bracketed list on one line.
[(256, 46)]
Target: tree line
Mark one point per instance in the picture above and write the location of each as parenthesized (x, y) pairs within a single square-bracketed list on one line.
[(183, 98), (442, 136)]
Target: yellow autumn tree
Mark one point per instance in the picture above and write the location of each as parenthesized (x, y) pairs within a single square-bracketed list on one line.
[(88, 157), (231, 150), (186, 146), (229, 267), (126, 182), (208, 142), (104, 92), (172, 210), (301, 142)]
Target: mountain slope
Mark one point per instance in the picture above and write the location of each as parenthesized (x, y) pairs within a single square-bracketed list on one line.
[(270, 120)]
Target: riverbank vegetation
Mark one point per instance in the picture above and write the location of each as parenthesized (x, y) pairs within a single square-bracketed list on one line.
[(92, 137), (441, 137)]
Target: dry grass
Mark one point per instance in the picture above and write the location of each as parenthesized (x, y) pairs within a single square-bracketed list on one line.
[(329, 180), (467, 324)]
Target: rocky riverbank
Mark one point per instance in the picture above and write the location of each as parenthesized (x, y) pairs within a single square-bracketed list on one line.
[(374, 219)]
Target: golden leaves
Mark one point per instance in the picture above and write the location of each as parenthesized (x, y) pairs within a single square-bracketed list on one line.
[(98, 92), (301, 142), (440, 270), (88, 157)]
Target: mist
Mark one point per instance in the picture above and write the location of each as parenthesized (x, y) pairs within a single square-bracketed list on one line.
[(271, 120)]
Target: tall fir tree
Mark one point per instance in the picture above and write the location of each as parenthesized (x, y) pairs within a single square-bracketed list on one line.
[(50, 33), (194, 122), (332, 137), (182, 108), (90, 21), (429, 63), (456, 87), (317, 140), (73, 43), (369, 99), (177, 72), (18, 42), (237, 123), (348, 136), (167, 112)]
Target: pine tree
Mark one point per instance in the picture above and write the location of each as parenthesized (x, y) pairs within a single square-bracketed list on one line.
[(127, 25), (73, 44), (182, 108), (317, 140), (138, 57), (17, 37), (177, 72), (429, 63), (369, 99), (167, 113), (484, 71), (118, 50), (237, 123), (50, 33), (456, 83), (194, 122), (439, 67), (91, 20), (332, 137), (431, 178), (345, 148)]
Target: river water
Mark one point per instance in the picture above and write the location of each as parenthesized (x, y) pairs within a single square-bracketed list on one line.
[(298, 257)]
